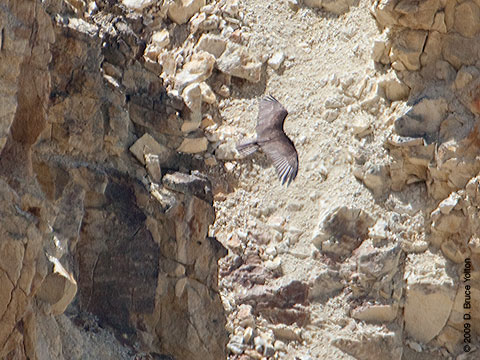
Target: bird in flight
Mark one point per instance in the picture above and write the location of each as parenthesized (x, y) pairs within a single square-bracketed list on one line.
[(272, 140)]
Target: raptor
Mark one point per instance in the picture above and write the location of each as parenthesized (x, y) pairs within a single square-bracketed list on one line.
[(272, 140)]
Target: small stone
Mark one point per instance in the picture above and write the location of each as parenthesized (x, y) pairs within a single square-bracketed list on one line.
[(276, 60), (334, 103), (269, 350), (466, 19), (212, 44), (379, 230), (224, 91), (210, 160), (193, 145), (152, 163), (361, 126), (247, 335), (198, 69), (226, 151), (253, 354), (192, 95), (279, 346), (236, 61), (331, 115), (260, 344), (236, 345), (159, 40), (138, 5), (208, 95), (180, 11), (148, 145), (229, 166), (271, 251)]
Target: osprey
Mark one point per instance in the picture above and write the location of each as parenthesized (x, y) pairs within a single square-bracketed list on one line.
[(272, 140)]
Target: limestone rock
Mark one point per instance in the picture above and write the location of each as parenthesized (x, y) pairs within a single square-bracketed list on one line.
[(208, 96), (198, 69), (458, 50), (180, 11), (212, 44), (335, 6), (138, 5), (276, 60), (189, 184), (423, 118), (237, 61), (342, 230), (376, 313), (58, 289), (466, 18), (159, 40), (193, 145), (427, 283), (148, 145), (415, 15), (192, 96), (373, 344), (393, 88), (324, 283), (407, 47)]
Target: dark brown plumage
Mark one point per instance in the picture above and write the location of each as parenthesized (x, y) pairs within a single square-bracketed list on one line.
[(272, 140)]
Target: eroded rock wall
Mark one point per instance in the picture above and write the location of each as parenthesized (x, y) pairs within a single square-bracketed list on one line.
[(90, 239)]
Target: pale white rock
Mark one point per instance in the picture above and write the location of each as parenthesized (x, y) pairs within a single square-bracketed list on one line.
[(449, 203), (335, 6), (439, 22), (274, 265), (192, 95), (379, 230), (198, 69), (237, 61), (208, 95), (138, 5), (226, 151), (376, 313), (169, 65), (334, 102), (247, 335), (229, 166), (331, 115), (271, 251), (276, 60), (148, 145), (361, 126), (236, 345), (279, 346), (393, 88), (193, 145), (180, 11), (427, 282), (212, 44), (158, 42), (269, 350)]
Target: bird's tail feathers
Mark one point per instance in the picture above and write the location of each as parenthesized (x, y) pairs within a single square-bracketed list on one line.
[(246, 148)]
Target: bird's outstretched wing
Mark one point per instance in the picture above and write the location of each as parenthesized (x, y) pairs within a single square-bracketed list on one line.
[(271, 115), (283, 154)]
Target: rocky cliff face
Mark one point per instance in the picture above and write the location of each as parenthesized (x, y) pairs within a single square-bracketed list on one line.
[(82, 219)]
